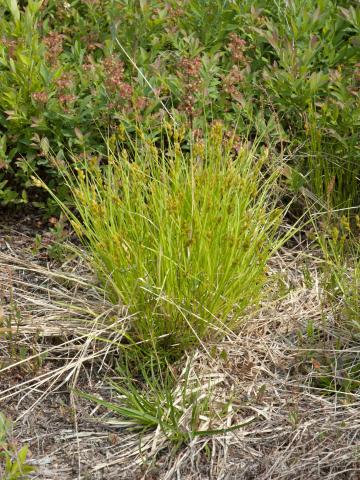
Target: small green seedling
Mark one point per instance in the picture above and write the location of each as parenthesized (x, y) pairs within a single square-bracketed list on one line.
[(13, 462)]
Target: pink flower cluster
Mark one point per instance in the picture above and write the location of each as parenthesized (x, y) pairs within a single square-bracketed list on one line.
[(114, 81), (236, 47), (114, 73), (66, 99), (88, 65), (65, 81), (232, 81), (40, 97), (64, 85), (54, 47), (189, 70)]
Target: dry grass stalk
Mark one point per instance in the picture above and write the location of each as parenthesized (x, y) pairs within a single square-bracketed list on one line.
[(296, 432)]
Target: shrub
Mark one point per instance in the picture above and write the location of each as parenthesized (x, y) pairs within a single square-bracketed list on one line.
[(72, 73), (182, 239)]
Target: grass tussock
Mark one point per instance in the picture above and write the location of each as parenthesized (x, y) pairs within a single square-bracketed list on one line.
[(181, 239)]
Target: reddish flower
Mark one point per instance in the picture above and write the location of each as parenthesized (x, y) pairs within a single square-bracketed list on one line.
[(125, 90), (40, 97), (88, 65), (232, 81), (54, 46), (65, 101), (189, 72), (67, 98), (141, 103), (65, 81), (189, 69), (114, 73), (121, 91), (237, 47)]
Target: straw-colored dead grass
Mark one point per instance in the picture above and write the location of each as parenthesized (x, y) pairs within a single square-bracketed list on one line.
[(291, 431)]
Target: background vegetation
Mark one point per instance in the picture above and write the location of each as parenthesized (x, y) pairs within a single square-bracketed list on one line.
[(73, 73)]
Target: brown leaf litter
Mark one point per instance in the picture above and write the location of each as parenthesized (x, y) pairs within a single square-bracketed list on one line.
[(51, 320)]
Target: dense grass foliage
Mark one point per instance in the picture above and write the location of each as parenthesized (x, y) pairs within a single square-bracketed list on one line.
[(181, 239), (341, 265), (73, 72)]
